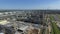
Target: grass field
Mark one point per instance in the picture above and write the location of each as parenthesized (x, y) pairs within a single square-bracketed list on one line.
[(55, 29)]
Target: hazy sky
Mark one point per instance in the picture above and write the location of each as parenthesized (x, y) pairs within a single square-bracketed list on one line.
[(29, 4)]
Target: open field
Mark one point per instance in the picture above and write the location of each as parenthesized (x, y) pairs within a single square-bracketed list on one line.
[(55, 29)]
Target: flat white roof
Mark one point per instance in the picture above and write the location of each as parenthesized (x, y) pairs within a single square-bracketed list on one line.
[(3, 22)]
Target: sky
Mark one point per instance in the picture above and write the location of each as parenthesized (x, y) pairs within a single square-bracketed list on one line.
[(29, 4)]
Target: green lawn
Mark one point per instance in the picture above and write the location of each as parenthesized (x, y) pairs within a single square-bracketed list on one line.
[(55, 30), (52, 32), (59, 16), (51, 18)]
